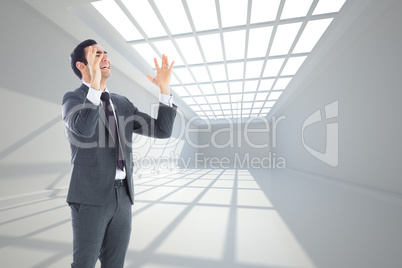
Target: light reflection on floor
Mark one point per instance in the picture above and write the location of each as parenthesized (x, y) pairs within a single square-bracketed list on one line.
[(191, 218), (209, 218)]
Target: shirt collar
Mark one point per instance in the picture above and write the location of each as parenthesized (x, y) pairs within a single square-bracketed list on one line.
[(89, 86)]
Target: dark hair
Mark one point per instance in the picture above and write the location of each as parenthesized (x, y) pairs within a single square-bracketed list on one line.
[(78, 54)]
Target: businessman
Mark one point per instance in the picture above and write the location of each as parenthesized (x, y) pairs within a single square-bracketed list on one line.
[(99, 127)]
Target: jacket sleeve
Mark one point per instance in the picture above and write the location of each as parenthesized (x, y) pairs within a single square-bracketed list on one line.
[(80, 116), (161, 127)]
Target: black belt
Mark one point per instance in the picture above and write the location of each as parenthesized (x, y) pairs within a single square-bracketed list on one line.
[(119, 183)]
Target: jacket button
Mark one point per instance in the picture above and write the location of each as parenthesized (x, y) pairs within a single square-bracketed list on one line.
[(113, 153)]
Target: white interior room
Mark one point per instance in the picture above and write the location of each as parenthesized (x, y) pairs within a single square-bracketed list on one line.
[(285, 150)]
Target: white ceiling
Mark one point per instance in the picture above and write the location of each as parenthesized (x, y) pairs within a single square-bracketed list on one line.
[(233, 58)]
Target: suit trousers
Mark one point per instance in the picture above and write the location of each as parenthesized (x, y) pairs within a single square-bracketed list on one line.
[(102, 231)]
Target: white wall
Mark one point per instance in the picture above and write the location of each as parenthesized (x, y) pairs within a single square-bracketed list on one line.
[(362, 71), (234, 144), (34, 75)]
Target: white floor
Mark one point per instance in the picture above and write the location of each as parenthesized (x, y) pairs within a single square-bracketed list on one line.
[(219, 218)]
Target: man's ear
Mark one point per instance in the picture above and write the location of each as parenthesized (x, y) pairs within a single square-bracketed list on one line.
[(80, 66)]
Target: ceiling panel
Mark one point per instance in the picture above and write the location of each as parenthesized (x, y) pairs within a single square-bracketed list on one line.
[(250, 49)]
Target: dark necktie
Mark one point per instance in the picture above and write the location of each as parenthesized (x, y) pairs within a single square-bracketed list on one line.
[(105, 97)]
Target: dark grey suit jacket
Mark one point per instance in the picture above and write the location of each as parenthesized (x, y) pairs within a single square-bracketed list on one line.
[(93, 154)]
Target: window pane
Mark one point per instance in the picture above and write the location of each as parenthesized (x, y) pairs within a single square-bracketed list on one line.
[(328, 6), (184, 75), (246, 112), (194, 90), (166, 47), (234, 44), (236, 112), (215, 107), (258, 104), (227, 114), (203, 9), (264, 10), (205, 107), (253, 69), (274, 95), (261, 96), (236, 98), (146, 51), (180, 91), (247, 104), (173, 80), (296, 8), (195, 108), (248, 97), (311, 34), (235, 70), (258, 42), (225, 106), (190, 50), (266, 84), (212, 47), (218, 72), (174, 15), (250, 85), (145, 16), (221, 87), (235, 87), (233, 12), (284, 38), (282, 83), (212, 99), (265, 111), (269, 104), (224, 98), (200, 100), (200, 73), (116, 17), (272, 67), (188, 100), (293, 65), (207, 89)]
